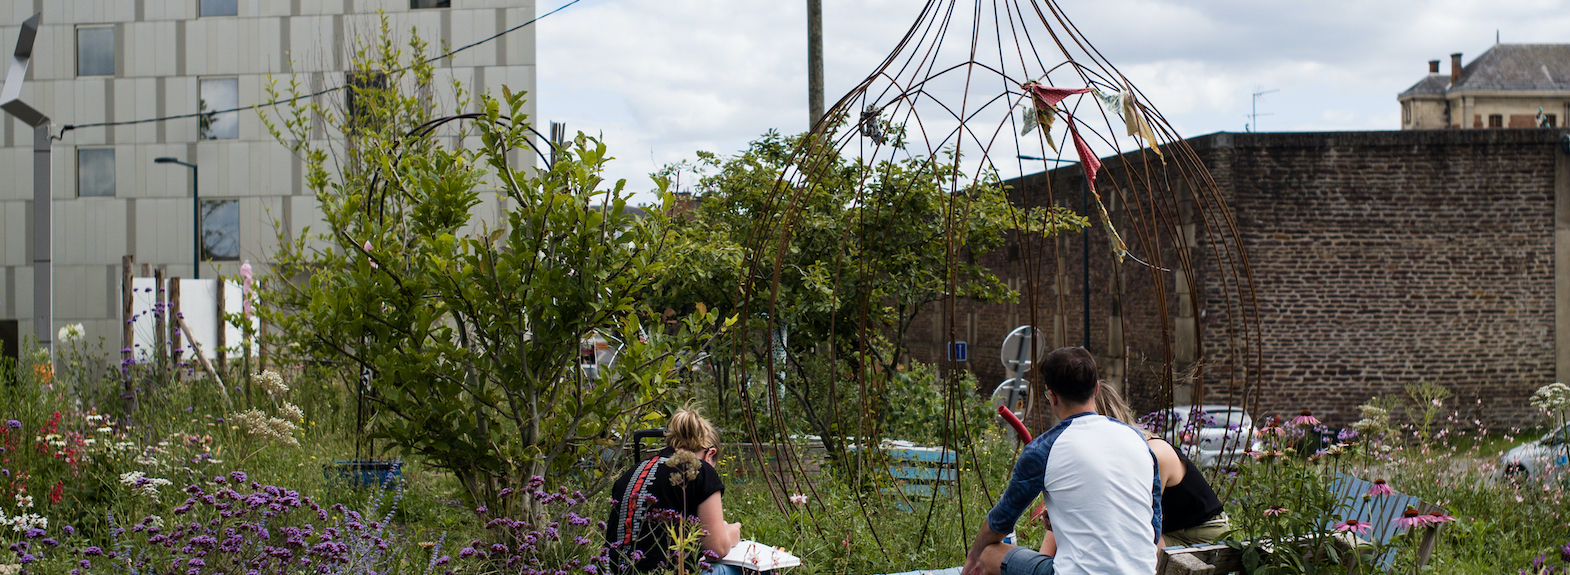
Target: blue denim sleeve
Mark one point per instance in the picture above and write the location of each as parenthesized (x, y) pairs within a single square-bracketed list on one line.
[(1028, 481), (1155, 497)]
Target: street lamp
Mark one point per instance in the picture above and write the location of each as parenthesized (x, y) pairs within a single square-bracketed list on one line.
[(196, 215), (43, 250), (1084, 203)]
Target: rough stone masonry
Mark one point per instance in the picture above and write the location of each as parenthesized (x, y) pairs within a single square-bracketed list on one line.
[(1381, 259)]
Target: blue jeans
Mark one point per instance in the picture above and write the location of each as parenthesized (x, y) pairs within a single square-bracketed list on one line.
[(1022, 561), (724, 569)]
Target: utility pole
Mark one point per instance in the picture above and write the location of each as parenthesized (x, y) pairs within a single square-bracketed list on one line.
[(43, 251), (814, 62)]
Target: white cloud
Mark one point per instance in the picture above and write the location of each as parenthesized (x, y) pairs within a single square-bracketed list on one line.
[(664, 78)]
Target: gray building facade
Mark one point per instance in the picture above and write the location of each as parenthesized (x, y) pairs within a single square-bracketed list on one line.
[(98, 61)]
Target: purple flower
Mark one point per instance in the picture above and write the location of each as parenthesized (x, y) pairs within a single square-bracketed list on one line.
[(14, 424), (1564, 553), (1380, 488), (69, 530), (1353, 525), (92, 551), (1410, 518)]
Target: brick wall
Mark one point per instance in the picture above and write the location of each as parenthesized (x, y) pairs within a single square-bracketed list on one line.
[(1380, 259)]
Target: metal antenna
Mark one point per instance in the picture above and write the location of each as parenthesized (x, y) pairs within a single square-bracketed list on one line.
[(1253, 116)]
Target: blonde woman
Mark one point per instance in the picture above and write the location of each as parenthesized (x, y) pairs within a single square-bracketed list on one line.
[(677, 484)]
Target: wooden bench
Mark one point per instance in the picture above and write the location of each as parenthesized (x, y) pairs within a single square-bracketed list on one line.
[(1380, 512), (920, 473)]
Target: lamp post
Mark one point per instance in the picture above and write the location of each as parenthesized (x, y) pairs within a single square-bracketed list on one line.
[(43, 250), (196, 215), (1084, 203)]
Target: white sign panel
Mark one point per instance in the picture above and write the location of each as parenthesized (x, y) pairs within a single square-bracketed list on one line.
[(199, 306)]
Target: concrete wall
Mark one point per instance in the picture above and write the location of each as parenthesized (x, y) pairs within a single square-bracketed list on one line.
[(162, 50)]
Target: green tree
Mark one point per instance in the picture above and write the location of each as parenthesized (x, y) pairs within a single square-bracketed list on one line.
[(471, 329), (870, 245)]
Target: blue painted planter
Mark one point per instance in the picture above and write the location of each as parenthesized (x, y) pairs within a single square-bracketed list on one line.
[(364, 472)]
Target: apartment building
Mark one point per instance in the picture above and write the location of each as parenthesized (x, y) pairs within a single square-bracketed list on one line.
[(114, 61)]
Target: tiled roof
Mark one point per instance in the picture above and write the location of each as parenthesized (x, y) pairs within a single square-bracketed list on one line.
[(1506, 67), (1433, 84)]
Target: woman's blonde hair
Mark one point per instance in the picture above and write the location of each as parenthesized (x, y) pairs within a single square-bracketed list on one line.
[(689, 431), (1111, 404)]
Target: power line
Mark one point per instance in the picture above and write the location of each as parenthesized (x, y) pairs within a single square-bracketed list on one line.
[(449, 54)]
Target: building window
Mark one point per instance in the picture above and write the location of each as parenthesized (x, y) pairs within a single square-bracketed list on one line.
[(1496, 120), (418, 4), (220, 230), (364, 90), (1406, 112), (219, 8), (217, 95), (95, 51), (1549, 121), (95, 172)]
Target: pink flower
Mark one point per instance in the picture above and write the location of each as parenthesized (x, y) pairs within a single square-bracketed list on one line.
[(1380, 488), (1275, 510), (1411, 518), (1438, 517), (1353, 525), (1305, 418), (368, 250), (798, 499)]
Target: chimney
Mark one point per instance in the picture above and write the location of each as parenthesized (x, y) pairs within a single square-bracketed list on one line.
[(1433, 66), (1455, 68)]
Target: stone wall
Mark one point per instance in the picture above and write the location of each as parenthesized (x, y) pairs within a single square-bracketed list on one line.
[(1380, 259)]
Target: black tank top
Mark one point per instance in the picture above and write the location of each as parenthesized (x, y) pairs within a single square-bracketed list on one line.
[(1189, 503)]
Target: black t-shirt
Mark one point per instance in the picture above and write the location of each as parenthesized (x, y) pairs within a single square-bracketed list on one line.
[(645, 501), (1190, 502)]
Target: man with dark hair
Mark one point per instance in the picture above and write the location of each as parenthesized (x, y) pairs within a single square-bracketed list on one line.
[(1099, 481)]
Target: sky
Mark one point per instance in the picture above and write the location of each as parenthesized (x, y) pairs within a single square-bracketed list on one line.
[(662, 79)]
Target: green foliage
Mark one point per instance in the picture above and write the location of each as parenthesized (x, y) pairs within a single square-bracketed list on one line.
[(471, 329), (1427, 403), (861, 247)]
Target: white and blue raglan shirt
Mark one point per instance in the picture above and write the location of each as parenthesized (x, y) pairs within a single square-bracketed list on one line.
[(1102, 491)]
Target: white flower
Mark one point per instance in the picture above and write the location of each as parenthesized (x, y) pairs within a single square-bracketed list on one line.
[(156, 521), (272, 383), (71, 333), (292, 411), (1552, 397), (24, 501), (258, 423), (106, 430)]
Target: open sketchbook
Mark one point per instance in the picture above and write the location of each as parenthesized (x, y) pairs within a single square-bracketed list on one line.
[(759, 557)]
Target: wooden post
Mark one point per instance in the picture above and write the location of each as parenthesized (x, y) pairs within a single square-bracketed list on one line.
[(147, 270), (174, 326), (196, 350), (127, 331), (161, 326), (220, 348), (261, 346)]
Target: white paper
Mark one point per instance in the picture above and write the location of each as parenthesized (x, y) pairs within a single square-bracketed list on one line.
[(759, 557)]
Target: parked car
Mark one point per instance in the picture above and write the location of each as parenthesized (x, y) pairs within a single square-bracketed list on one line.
[(1215, 435), (1549, 455)]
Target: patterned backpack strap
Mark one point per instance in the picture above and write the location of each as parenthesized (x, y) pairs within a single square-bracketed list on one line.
[(632, 510)]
